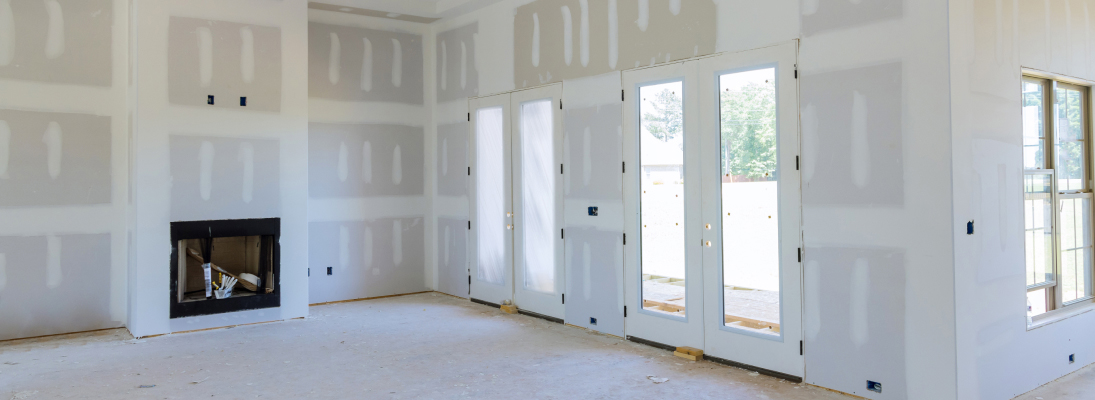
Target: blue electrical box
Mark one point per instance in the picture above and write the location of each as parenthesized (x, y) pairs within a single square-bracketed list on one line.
[(593, 211)]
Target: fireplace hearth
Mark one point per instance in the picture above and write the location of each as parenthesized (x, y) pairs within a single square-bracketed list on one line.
[(205, 254)]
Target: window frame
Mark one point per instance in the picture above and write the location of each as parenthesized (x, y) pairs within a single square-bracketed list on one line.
[(1056, 308)]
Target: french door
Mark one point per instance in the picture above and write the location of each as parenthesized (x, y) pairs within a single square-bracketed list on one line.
[(517, 208), (714, 207)]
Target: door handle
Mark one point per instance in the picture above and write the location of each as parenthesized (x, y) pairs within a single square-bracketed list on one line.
[(509, 214), (708, 226), (708, 243), (509, 226)]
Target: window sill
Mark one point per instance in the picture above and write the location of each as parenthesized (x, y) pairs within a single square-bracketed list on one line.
[(1062, 314)]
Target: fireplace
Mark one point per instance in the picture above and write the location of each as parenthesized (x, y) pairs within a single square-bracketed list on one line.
[(207, 254)]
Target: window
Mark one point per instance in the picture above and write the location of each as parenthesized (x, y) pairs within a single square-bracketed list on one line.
[(1057, 195)]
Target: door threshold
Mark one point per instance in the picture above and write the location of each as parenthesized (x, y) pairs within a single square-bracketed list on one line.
[(485, 303), (762, 371), (540, 316), (652, 343)]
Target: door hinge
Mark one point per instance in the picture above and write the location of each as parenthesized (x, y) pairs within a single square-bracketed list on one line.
[(621, 95), (796, 163), (469, 171), (796, 74), (560, 169), (799, 254), (562, 234), (623, 167), (469, 117), (469, 224), (560, 104), (625, 311), (309, 272), (801, 348), (625, 239), (564, 298)]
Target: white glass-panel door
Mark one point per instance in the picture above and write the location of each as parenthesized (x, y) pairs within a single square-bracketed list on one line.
[(537, 195), (663, 273), (752, 208), (492, 219)]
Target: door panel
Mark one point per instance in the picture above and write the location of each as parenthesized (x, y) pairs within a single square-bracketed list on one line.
[(538, 204), (662, 256), (492, 200), (752, 208)]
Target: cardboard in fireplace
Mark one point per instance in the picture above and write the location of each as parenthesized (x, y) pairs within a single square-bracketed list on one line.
[(244, 250)]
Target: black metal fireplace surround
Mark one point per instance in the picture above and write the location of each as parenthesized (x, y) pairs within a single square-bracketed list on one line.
[(269, 231)]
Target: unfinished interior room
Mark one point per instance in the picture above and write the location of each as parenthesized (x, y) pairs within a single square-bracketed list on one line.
[(557, 199)]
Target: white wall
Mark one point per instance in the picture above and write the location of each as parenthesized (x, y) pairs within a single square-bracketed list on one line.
[(874, 93), (63, 166), (165, 117), (991, 41), (368, 206)]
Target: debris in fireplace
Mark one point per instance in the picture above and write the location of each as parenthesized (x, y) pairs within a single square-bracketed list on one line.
[(252, 286), (224, 290)]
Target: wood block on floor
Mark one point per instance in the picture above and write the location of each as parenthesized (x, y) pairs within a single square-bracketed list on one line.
[(511, 309), (689, 353)]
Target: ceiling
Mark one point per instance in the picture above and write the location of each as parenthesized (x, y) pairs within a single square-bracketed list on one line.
[(423, 11)]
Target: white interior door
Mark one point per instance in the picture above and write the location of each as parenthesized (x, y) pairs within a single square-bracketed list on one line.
[(752, 208), (662, 255), (492, 200), (537, 200)]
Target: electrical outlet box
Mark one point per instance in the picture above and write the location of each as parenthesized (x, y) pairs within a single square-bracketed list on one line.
[(209, 101), (593, 211), (592, 321), (330, 270), (874, 386), (1071, 358), (243, 101)]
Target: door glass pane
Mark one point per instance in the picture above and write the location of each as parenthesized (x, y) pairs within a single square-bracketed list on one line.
[(538, 195), (1070, 140), (750, 200), (491, 195), (1075, 249), (661, 158), (1033, 126), (1038, 227)]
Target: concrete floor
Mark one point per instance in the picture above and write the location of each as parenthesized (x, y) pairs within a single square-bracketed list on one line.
[(1071, 386), (420, 346)]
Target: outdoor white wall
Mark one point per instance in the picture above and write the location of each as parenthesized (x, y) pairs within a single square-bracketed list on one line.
[(63, 166), (166, 117), (366, 164), (874, 81), (991, 41)]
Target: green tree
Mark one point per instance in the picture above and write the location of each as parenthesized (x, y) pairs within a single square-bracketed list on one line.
[(667, 119), (749, 131)]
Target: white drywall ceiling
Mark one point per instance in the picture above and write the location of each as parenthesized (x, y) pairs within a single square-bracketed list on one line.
[(420, 8)]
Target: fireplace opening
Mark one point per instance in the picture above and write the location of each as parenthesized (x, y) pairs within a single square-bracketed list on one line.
[(224, 266)]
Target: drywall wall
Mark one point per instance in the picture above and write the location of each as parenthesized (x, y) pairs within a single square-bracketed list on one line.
[(366, 157), (63, 140), (876, 169), (991, 42), (196, 161)]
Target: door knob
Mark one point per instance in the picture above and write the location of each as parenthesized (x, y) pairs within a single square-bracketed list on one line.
[(510, 227), (708, 243), (708, 226), (509, 215)]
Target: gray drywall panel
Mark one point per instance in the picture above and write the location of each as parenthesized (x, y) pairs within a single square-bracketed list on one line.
[(823, 15), (852, 137), (224, 178), (368, 258), (57, 41), (56, 284), (358, 64), (452, 159), (457, 67), (52, 159), (452, 256), (365, 160), (227, 60), (593, 142), (606, 36), (855, 319), (594, 259)]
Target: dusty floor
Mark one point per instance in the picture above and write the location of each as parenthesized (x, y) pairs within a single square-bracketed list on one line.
[(1071, 386), (420, 346)]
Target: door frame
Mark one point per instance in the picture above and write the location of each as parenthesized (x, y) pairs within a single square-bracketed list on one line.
[(651, 326), (482, 291), (780, 355), (545, 304)]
